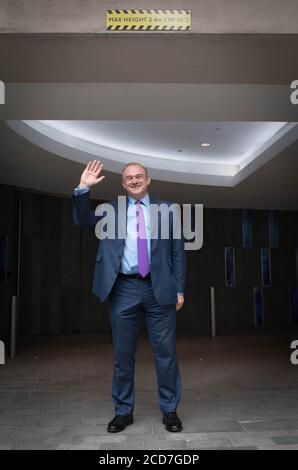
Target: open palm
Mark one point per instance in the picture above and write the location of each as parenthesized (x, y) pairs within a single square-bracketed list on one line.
[(90, 175)]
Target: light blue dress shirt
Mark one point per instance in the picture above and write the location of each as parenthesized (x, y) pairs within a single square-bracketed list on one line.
[(129, 262)]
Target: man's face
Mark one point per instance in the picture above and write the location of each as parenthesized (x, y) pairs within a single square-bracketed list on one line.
[(135, 181)]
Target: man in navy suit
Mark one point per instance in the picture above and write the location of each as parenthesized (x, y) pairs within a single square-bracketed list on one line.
[(137, 274)]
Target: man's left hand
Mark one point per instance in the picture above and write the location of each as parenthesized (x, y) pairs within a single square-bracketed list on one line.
[(180, 302)]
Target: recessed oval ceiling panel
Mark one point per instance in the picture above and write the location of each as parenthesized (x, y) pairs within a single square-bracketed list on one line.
[(172, 151)]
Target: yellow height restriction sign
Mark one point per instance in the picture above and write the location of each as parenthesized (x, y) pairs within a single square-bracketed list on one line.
[(148, 20)]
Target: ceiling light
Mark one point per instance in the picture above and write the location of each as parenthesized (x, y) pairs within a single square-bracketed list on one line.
[(205, 144)]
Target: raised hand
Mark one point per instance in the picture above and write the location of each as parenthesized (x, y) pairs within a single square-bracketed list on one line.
[(90, 175)]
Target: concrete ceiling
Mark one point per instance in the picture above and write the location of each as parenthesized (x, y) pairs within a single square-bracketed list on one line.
[(25, 165), (230, 143), (197, 77), (236, 149), (197, 58)]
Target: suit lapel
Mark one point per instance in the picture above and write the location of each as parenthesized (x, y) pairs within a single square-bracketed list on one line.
[(153, 228), (122, 222)]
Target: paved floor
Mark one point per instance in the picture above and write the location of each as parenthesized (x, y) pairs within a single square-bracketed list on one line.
[(239, 392)]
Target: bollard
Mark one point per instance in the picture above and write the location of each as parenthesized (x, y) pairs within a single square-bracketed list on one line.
[(13, 326), (213, 318)]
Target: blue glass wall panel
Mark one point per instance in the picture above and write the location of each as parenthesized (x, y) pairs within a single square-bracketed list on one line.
[(272, 229), (230, 266), (246, 229), (258, 306), (265, 267)]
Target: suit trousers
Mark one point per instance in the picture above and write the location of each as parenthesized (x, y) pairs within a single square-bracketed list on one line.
[(128, 300)]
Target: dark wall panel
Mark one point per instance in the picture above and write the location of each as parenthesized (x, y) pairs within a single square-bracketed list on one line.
[(276, 309), (283, 267), (8, 206), (234, 309), (288, 229), (206, 267), (196, 311), (222, 227), (57, 265), (259, 223), (248, 267)]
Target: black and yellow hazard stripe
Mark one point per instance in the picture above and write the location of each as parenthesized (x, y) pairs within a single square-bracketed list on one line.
[(148, 20)]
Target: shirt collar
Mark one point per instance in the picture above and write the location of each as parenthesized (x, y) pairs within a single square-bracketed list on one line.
[(145, 200)]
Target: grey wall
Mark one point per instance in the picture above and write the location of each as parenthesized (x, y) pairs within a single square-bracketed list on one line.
[(208, 16), (57, 262)]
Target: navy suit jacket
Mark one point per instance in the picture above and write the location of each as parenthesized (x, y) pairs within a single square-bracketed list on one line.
[(168, 260)]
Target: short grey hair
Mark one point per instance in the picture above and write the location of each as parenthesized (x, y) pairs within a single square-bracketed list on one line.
[(135, 163)]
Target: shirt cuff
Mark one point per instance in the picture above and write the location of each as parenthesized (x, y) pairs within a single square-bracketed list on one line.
[(180, 293), (78, 191)]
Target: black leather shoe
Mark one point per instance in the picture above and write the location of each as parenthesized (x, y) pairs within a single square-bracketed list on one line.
[(172, 422), (119, 423)]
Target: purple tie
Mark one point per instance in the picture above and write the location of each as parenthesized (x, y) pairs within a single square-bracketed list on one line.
[(143, 260)]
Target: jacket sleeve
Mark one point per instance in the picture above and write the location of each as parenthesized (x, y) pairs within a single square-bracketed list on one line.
[(83, 216), (179, 263)]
